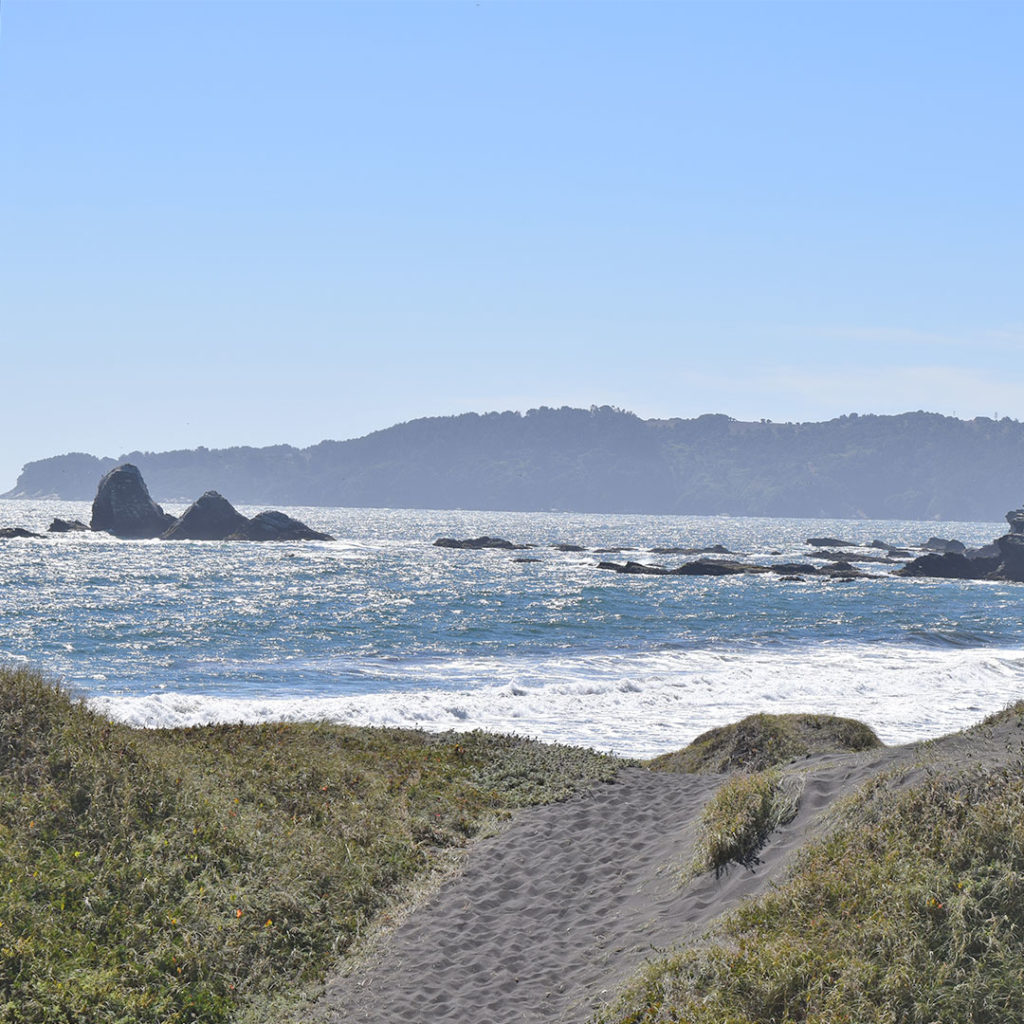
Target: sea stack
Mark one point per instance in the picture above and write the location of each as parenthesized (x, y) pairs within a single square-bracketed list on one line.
[(211, 517), (123, 507)]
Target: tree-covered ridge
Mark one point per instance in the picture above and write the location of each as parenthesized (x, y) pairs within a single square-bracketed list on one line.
[(915, 465)]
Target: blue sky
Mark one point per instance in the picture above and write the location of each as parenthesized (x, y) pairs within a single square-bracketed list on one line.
[(247, 223)]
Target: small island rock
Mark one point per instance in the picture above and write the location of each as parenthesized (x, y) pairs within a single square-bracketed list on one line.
[(273, 525), (124, 508), (13, 532), (67, 526), (479, 543), (211, 517)]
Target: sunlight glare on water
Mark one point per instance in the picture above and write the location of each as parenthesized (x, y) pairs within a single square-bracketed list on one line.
[(382, 627)]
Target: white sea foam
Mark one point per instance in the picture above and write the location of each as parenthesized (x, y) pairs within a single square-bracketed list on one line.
[(643, 705)]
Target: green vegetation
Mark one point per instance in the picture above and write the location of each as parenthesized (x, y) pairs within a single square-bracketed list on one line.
[(741, 815), (184, 875), (765, 741), (911, 911)]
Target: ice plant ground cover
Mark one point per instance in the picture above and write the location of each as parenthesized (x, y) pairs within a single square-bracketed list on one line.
[(194, 875)]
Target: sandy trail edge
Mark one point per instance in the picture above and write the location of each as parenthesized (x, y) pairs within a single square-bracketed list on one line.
[(550, 917)]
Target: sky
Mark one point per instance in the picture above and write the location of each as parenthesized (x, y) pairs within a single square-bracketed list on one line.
[(259, 223)]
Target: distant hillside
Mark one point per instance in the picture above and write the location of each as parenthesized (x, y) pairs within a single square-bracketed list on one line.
[(916, 466)]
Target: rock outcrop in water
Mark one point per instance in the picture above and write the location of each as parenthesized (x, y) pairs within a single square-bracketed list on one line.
[(723, 567), (18, 532), (1001, 560), (276, 526), (479, 543), (67, 526), (211, 517), (123, 507)]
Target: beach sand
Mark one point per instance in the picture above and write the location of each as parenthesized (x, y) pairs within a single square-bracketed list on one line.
[(547, 919)]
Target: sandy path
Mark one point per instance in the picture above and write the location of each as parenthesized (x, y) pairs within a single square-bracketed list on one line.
[(550, 917)]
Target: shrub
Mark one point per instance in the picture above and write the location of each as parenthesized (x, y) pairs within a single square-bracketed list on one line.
[(738, 819), (766, 741)]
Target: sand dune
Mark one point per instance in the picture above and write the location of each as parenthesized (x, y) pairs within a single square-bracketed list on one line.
[(548, 918)]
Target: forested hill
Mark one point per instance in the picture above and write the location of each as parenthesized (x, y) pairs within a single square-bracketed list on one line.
[(915, 466)]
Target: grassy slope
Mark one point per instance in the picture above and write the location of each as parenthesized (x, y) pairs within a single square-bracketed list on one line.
[(765, 741), (179, 875), (911, 910)]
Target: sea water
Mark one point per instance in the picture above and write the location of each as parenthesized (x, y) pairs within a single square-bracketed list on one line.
[(381, 627)]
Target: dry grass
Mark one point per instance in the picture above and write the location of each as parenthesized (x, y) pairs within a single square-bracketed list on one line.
[(739, 818), (182, 876), (759, 742), (910, 912)]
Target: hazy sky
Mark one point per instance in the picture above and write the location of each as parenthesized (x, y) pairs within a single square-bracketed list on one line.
[(249, 223)]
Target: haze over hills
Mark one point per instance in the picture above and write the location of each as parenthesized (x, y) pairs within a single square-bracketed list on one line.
[(915, 465)]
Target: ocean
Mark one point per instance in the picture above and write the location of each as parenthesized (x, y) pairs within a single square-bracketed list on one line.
[(381, 627)]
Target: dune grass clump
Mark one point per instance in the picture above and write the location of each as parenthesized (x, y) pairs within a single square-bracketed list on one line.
[(758, 742), (911, 911), (179, 876), (737, 820)]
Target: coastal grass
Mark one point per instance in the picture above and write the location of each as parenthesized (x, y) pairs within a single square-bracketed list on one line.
[(189, 875), (737, 820), (910, 912), (759, 742)]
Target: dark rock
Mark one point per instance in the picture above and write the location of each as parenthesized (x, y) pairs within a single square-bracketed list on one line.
[(1015, 517), (830, 542), (211, 517), (842, 571), (523, 560), (880, 544), (715, 549), (985, 551), (634, 568), (67, 526), (949, 566), (899, 553), (13, 532), (709, 567), (611, 551), (477, 543), (568, 547), (791, 579), (942, 545), (124, 508), (1011, 554), (844, 556), (274, 525), (789, 569)]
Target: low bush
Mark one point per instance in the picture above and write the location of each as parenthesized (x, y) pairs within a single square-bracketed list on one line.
[(737, 820), (758, 742)]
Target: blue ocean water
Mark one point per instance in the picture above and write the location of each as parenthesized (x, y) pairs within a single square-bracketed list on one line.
[(381, 627)]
